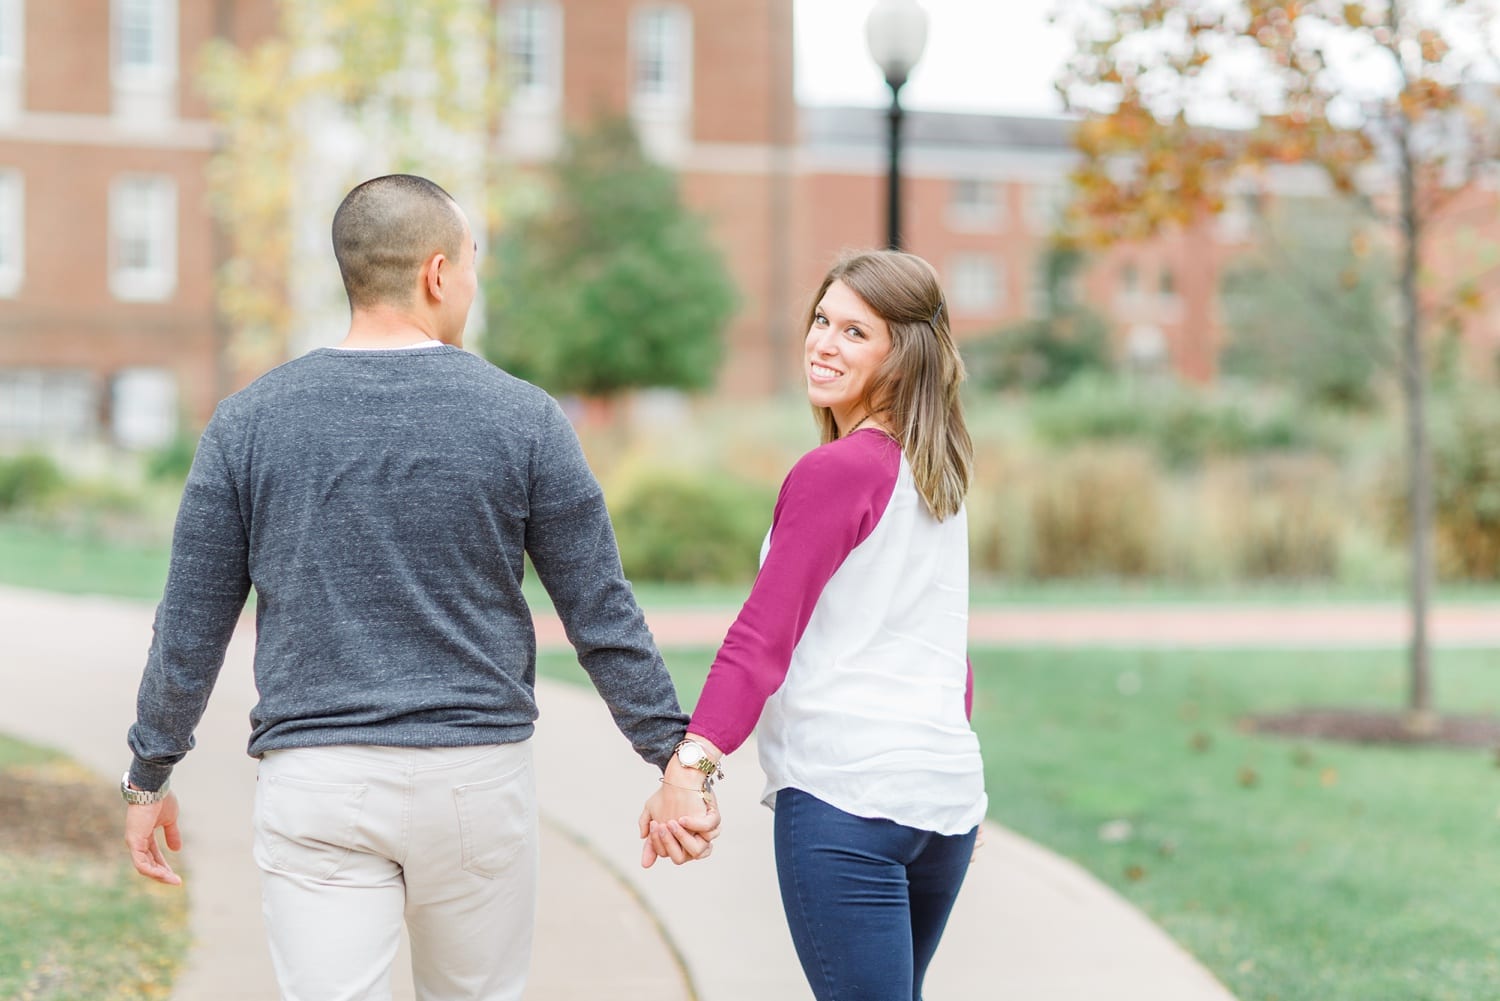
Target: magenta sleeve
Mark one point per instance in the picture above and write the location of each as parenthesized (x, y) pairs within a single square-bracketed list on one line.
[(831, 502)]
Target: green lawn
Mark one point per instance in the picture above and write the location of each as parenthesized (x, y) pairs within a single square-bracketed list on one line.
[(54, 561), (76, 923), (1297, 871)]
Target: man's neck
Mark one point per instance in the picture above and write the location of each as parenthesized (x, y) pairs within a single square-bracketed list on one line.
[(384, 327)]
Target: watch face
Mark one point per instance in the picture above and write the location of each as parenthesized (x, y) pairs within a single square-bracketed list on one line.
[(690, 755)]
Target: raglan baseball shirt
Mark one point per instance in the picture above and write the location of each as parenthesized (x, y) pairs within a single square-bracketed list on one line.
[(851, 651)]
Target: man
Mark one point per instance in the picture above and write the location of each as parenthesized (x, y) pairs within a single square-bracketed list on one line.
[(381, 497)]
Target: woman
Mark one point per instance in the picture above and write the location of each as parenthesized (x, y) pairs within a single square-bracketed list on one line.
[(850, 650)]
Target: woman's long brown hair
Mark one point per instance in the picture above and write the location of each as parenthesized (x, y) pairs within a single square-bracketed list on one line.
[(916, 388)]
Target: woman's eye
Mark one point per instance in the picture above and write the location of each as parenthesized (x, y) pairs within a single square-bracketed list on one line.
[(820, 319), (855, 332)]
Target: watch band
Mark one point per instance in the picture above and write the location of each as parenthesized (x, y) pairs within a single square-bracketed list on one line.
[(142, 797), (708, 766)]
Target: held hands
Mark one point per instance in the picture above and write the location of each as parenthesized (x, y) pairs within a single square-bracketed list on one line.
[(681, 819), (141, 823)]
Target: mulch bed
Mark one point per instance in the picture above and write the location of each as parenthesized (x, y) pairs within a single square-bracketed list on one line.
[(1370, 726), (46, 810)]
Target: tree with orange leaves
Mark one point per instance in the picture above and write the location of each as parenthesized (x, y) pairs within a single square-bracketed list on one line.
[(1395, 103)]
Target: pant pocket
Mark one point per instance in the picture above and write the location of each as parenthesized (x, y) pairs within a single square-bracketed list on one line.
[(306, 827), (494, 820)]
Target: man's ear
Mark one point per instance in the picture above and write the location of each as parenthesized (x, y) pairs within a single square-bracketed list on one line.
[(433, 276)]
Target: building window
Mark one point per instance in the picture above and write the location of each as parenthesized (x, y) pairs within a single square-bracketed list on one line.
[(1166, 295), (1167, 285), (974, 205), (974, 285), (47, 404), (533, 45), (661, 80), (12, 56), (144, 45), (1044, 206), (145, 38), (1237, 220), (12, 232), (143, 407), (662, 47), (143, 238)]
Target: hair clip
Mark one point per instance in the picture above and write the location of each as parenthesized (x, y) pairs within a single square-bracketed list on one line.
[(936, 314)]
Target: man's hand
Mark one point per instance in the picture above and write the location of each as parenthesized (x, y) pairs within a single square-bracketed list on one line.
[(141, 823)]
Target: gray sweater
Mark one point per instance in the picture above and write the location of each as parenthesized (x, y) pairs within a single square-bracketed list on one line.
[(381, 504)]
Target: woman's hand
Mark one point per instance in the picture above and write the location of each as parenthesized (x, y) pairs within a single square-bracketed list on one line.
[(679, 822), (681, 819)]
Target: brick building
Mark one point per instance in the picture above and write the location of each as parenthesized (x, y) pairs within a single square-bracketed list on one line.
[(107, 249)]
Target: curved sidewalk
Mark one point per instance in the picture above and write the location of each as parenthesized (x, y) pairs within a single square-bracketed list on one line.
[(1029, 925)]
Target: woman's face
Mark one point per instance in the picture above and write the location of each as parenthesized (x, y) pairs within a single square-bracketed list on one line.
[(845, 347)]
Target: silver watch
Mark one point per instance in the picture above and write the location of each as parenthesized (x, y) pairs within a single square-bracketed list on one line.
[(142, 797)]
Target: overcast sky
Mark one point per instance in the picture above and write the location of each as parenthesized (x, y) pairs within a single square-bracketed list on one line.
[(982, 55)]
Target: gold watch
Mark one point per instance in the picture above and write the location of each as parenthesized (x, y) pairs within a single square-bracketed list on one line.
[(691, 754)]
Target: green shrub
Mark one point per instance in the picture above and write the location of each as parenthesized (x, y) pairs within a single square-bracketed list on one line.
[(1466, 485), (1184, 426), (173, 460), (1045, 353), (27, 479), (699, 528)]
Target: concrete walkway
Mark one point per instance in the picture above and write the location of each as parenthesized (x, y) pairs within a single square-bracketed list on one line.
[(1029, 926)]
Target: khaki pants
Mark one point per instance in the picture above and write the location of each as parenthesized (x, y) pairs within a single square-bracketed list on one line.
[(351, 841)]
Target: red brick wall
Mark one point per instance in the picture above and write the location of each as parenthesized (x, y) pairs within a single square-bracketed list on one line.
[(67, 56)]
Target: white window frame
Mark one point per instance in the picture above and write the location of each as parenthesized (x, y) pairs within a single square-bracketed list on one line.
[(141, 427), (976, 204), (540, 24), (144, 90), (40, 404), (143, 206), (667, 28), (1044, 205), (976, 284), (162, 15), (12, 55), (12, 232)]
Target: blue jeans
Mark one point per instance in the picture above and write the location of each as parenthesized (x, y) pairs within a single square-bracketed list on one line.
[(866, 899)]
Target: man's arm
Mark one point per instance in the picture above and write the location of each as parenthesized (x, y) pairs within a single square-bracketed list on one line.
[(207, 583), (572, 544)]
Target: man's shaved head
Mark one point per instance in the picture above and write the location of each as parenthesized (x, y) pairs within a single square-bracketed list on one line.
[(386, 229)]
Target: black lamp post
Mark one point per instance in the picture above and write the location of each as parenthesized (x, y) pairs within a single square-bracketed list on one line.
[(896, 32)]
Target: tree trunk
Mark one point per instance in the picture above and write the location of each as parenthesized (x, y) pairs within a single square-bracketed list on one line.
[(1419, 476)]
